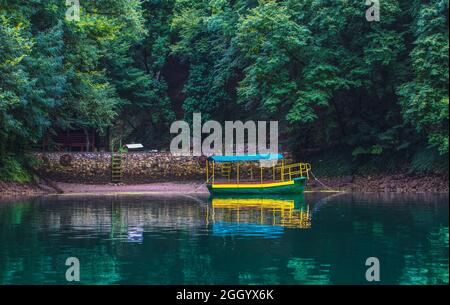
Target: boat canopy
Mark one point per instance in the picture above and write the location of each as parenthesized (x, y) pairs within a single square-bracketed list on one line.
[(244, 158)]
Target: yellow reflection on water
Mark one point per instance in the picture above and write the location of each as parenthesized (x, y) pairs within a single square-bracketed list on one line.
[(285, 212)]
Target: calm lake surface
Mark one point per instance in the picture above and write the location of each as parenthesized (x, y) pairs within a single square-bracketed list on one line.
[(149, 239)]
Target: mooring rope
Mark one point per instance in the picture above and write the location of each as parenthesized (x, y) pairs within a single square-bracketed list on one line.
[(194, 198), (195, 190), (317, 206), (321, 183)]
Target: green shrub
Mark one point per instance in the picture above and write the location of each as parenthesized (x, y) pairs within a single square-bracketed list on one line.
[(429, 161), (386, 163), (12, 169), (338, 162), (335, 163)]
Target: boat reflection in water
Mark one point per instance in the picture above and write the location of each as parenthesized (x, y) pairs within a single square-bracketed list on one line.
[(266, 216)]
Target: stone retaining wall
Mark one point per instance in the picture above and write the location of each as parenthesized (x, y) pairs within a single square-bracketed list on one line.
[(139, 167)]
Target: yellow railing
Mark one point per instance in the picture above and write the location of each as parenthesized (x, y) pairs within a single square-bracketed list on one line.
[(295, 170), (226, 170), (278, 172)]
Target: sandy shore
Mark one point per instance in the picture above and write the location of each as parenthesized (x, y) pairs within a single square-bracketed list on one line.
[(165, 187), (11, 189), (382, 184), (375, 184)]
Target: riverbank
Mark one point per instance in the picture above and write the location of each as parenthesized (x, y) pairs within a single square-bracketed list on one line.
[(369, 184), (396, 183), (164, 187), (400, 183), (13, 189)]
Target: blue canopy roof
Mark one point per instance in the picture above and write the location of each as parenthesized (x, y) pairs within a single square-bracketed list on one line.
[(243, 158)]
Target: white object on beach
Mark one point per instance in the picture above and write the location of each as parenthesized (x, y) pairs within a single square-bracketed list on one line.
[(134, 146)]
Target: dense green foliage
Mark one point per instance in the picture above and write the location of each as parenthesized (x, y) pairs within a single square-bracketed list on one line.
[(377, 92)]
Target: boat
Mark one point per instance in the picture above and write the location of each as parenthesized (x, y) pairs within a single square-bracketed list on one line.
[(245, 174)]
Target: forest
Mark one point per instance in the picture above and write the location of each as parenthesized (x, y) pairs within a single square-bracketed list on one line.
[(351, 96)]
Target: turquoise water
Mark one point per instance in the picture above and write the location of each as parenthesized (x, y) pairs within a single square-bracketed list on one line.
[(147, 239)]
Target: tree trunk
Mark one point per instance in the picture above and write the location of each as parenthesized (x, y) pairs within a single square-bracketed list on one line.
[(339, 118), (108, 138), (86, 133)]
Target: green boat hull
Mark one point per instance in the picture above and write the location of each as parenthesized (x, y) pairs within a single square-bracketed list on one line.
[(296, 186)]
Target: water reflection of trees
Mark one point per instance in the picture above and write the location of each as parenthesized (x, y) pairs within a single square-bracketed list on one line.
[(38, 236), (407, 232), (167, 240)]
